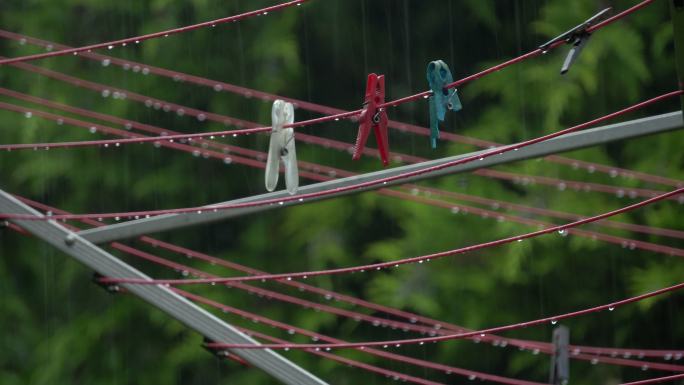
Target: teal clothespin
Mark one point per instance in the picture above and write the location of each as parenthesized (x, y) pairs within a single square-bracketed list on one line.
[(438, 76)]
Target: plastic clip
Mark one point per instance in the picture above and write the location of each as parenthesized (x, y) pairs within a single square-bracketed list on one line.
[(442, 99), (282, 148), (375, 118), (578, 37)]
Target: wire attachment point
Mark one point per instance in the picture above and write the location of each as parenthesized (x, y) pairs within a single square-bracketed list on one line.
[(111, 288), (222, 353)]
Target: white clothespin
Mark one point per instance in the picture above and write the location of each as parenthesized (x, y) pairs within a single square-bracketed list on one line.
[(282, 147)]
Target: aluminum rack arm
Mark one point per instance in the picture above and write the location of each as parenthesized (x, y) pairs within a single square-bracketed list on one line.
[(586, 138), (159, 296)]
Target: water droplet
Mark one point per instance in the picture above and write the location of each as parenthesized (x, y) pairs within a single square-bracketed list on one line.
[(594, 361), (28, 115), (611, 308), (110, 46), (145, 71), (201, 117), (644, 367), (472, 377), (668, 357), (563, 232), (92, 129), (106, 62), (553, 322), (105, 93)]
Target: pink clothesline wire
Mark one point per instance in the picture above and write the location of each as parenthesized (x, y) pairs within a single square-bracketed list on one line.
[(412, 341), (326, 110), (438, 327), (302, 197), (166, 33), (201, 115), (420, 259), (313, 170)]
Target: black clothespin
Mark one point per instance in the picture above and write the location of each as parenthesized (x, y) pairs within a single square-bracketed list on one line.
[(222, 353), (111, 288), (578, 37), (560, 361)]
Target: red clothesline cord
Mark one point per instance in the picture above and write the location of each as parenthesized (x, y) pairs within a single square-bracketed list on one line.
[(419, 259), (326, 110), (201, 115), (392, 356), (316, 169), (301, 197), (317, 336), (447, 369), (496, 204), (450, 206), (658, 380), (362, 317), (337, 114), (624, 242), (328, 143), (437, 326), (138, 39), (167, 134), (412, 341), (353, 363)]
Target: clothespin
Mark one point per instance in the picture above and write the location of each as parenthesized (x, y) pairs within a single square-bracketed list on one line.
[(578, 37), (282, 148), (223, 353), (560, 362), (442, 99), (373, 117)]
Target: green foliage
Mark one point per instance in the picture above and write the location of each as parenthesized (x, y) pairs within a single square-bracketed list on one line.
[(59, 328)]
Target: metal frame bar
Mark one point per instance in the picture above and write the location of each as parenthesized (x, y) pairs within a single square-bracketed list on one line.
[(157, 295), (572, 141)]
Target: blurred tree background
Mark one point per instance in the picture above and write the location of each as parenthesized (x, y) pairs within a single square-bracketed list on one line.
[(59, 328)]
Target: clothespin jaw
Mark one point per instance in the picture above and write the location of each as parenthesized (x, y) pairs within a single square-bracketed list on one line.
[(442, 98), (373, 117), (560, 361), (577, 37), (282, 148)]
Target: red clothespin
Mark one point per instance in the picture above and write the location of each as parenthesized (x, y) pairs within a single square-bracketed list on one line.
[(374, 117)]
